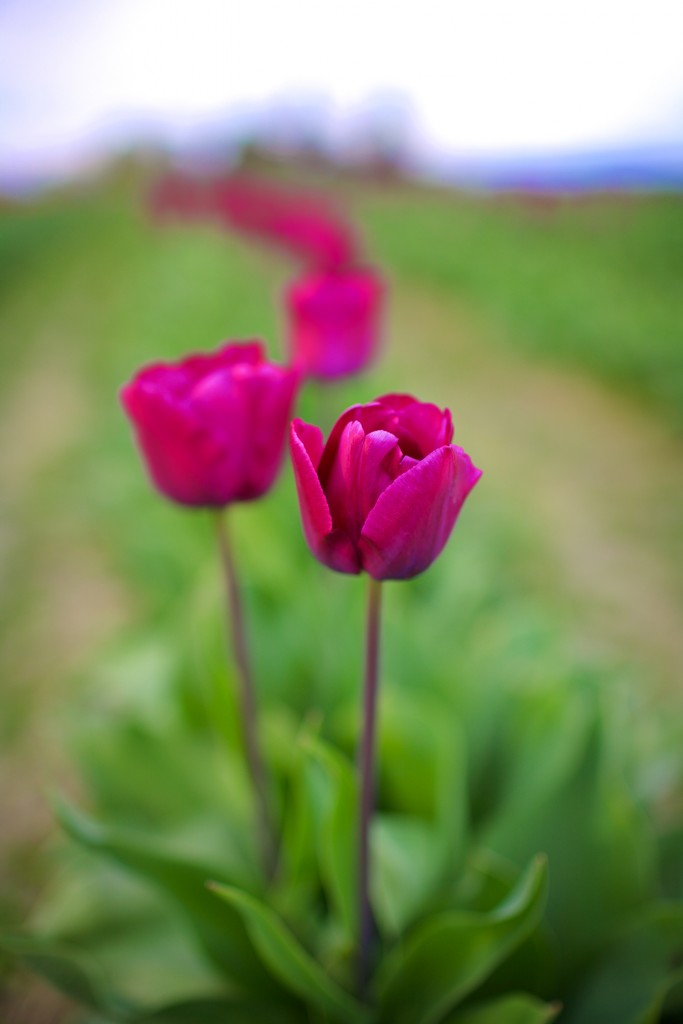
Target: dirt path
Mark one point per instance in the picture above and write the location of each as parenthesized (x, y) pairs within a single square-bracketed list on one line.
[(58, 603), (596, 477)]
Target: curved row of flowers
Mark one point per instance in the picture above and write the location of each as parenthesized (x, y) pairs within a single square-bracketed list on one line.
[(380, 496)]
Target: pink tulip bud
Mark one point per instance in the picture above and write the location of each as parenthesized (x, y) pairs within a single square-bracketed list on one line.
[(334, 321), (383, 494), (211, 428)]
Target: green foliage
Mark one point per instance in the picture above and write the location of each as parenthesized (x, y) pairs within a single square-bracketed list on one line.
[(289, 961), (66, 970), (463, 931), (219, 929), (508, 1010), (588, 282), (497, 741), (642, 977), (451, 953)]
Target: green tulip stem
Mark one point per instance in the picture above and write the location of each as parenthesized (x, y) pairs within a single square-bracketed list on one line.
[(246, 693), (366, 767)]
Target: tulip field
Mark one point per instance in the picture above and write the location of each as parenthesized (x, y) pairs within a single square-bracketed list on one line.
[(235, 784)]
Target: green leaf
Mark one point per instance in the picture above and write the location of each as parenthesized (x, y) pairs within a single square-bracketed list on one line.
[(219, 929), (290, 962), (297, 882), (141, 775), (640, 977), (671, 857), (563, 783), (422, 765), (450, 954), (484, 882), (418, 838), (334, 792), (224, 1011), (67, 971), (532, 966), (406, 867), (515, 1009)]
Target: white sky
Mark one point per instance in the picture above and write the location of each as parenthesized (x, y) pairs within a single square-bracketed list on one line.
[(483, 76)]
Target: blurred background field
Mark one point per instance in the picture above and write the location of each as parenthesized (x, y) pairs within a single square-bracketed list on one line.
[(516, 175), (552, 330)]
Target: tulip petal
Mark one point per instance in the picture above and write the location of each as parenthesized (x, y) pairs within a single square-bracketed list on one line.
[(182, 457), (379, 466), (342, 486), (414, 516), (420, 427), (269, 393), (330, 546), (179, 378), (239, 353), (370, 417), (396, 400), (219, 401), (312, 439), (365, 465)]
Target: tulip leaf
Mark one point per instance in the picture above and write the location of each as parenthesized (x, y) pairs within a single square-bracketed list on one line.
[(485, 881), (219, 929), (422, 768), (68, 972), (532, 965), (337, 813), (141, 775), (420, 841), (514, 1009), (450, 954), (140, 938), (290, 962), (297, 878), (607, 871), (406, 864), (222, 1011), (640, 977)]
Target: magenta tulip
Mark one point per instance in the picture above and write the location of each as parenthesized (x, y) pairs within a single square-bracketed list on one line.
[(300, 223), (383, 494), (334, 321), (211, 428), (177, 197)]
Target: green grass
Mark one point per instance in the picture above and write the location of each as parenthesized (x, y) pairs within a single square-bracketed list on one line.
[(594, 283)]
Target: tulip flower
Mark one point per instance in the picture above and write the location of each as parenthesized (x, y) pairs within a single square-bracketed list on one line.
[(301, 224), (212, 427), (334, 321), (177, 197), (381, 496)]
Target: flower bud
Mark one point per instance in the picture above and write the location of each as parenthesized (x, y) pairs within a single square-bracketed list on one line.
[(334, 321), (383, 494), (211, 428)]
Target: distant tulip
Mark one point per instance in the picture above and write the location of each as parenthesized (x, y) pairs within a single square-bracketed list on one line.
[(177, 197), (383, 494), (300, 223), (334, 321), (212, 427)]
